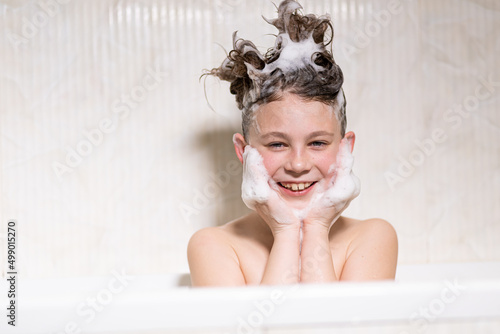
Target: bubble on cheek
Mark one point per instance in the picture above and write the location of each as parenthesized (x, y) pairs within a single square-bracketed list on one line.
[(346, 190), (332, 168), (346, 185), (255, 187), (340, 191)]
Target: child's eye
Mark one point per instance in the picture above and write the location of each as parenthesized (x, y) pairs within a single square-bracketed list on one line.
[(276, 145), (318, 143)]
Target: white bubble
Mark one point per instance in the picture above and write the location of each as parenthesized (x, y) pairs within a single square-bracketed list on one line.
[(255, 187)]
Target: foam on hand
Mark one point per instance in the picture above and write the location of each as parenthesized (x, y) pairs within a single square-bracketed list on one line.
[(346, 185), (255, 186), (342, 188), (258, 188), (335, 194)]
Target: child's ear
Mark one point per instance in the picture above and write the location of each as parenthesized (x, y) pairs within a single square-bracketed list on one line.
[(351, 138), (239, 145)]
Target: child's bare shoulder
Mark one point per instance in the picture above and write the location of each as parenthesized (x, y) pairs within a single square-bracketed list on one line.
[(372, 245), (213, 258), (377, 225), (207, 243), (207, 236), (234, 252), (226, 235), (361, 231)]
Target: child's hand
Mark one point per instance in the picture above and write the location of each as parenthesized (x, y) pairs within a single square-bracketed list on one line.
[(333, 197), (258, 191)]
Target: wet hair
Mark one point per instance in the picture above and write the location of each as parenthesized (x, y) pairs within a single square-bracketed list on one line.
[(299, 63)]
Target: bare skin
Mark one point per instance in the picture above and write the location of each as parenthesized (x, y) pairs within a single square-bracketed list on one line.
[(237, 253), (305, 173)]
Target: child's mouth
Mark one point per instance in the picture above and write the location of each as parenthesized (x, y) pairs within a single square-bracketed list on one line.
[(296, 187)]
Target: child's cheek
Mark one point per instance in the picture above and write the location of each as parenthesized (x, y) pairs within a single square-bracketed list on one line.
[(271, 162), (325, 159)]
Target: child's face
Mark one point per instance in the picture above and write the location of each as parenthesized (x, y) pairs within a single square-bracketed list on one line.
[(298, 141)]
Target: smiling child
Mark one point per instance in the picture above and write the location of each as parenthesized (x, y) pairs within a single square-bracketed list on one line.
[(297, 171)]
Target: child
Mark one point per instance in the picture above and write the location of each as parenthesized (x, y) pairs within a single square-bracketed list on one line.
[(296, 171)]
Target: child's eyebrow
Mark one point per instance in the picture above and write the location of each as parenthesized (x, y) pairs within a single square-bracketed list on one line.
[(284, 135), (320, 133), (274, 134)]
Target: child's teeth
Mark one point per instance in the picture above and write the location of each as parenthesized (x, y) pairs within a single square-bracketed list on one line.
[(296, 186)]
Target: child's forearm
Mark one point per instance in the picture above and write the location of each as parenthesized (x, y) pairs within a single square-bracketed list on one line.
[(316, 257), (283, 263)]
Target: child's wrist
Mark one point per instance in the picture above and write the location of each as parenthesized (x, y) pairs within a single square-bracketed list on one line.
[(292, 231), (316, 227)]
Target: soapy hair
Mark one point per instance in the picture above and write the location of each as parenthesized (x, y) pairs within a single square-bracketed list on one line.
[(298, 63)]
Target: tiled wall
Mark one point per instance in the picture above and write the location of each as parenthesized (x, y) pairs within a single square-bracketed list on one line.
[(111, 157)]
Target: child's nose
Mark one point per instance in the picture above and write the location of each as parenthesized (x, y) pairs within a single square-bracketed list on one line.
[(298, 162)]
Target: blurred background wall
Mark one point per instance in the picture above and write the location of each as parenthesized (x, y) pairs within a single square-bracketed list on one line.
[(111, 157)]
